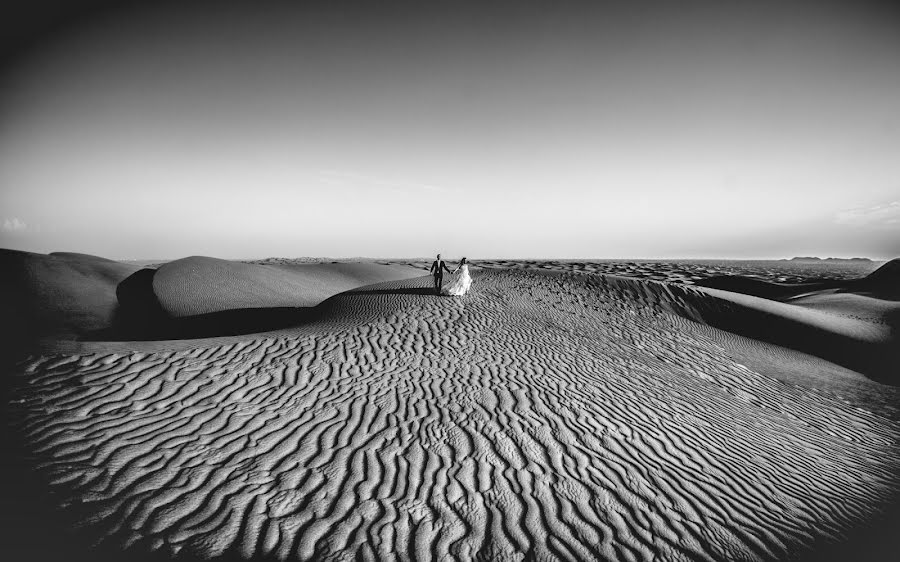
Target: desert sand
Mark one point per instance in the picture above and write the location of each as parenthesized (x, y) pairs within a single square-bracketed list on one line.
[(58, 295), (554, 412)]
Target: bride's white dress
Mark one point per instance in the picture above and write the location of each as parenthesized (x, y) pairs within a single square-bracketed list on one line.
[(462, 283)]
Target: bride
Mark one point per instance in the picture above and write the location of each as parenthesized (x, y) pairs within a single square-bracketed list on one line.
[(462, 283)]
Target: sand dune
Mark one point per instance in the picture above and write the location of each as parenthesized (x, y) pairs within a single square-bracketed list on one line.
[(200, 297), (60, 295), (543, 416), (693, 271), (202, 285), (865, 341), (883, 284), (70, 296), (887, 274), (852, 322), (765, 289)]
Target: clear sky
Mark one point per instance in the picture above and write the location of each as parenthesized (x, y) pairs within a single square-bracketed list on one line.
[(528, 129)]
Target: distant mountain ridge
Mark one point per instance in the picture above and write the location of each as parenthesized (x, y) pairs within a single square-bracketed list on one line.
[(814, 258)]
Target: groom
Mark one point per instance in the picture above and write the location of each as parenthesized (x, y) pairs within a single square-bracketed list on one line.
[(437, 269)]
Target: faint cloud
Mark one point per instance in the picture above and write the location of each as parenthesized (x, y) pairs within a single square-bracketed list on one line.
[(14, 225), (886, 216), (349, 179)]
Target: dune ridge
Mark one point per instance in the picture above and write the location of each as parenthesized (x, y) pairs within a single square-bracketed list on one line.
[(50, 299), (854, 330), (883, 283), (541, 416), (60, 295), (202, 285), (853, 322), (201, 297)]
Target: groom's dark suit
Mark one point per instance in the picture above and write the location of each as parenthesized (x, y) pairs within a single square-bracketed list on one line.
[(437, 269)]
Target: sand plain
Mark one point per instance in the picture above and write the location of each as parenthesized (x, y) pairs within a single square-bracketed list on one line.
[(548, 414)]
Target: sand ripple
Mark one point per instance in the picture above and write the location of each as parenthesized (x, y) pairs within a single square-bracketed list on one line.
[(537, 417)]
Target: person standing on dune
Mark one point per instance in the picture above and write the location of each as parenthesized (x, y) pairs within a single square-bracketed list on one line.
[(437, 269)]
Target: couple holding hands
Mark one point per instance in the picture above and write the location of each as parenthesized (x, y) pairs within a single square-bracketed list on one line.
[(462, 283)]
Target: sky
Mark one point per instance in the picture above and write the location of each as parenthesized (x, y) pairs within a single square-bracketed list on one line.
[(527, 129)]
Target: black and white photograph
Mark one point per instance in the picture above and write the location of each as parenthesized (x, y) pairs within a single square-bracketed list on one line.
[(450, 280)]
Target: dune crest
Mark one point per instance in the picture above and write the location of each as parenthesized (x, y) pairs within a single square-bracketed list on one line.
[(202, 285), (201, 297)]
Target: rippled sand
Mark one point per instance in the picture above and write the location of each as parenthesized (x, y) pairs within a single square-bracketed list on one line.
[(542, 416)]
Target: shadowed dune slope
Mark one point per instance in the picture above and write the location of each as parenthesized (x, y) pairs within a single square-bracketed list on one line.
[(888, 275), (202, 285), (547, 417), (764, 289), (852, 330), (883, 283), (58, 295), (854, 322)]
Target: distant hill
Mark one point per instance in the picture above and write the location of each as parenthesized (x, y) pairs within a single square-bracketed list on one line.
[(817, 259)]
